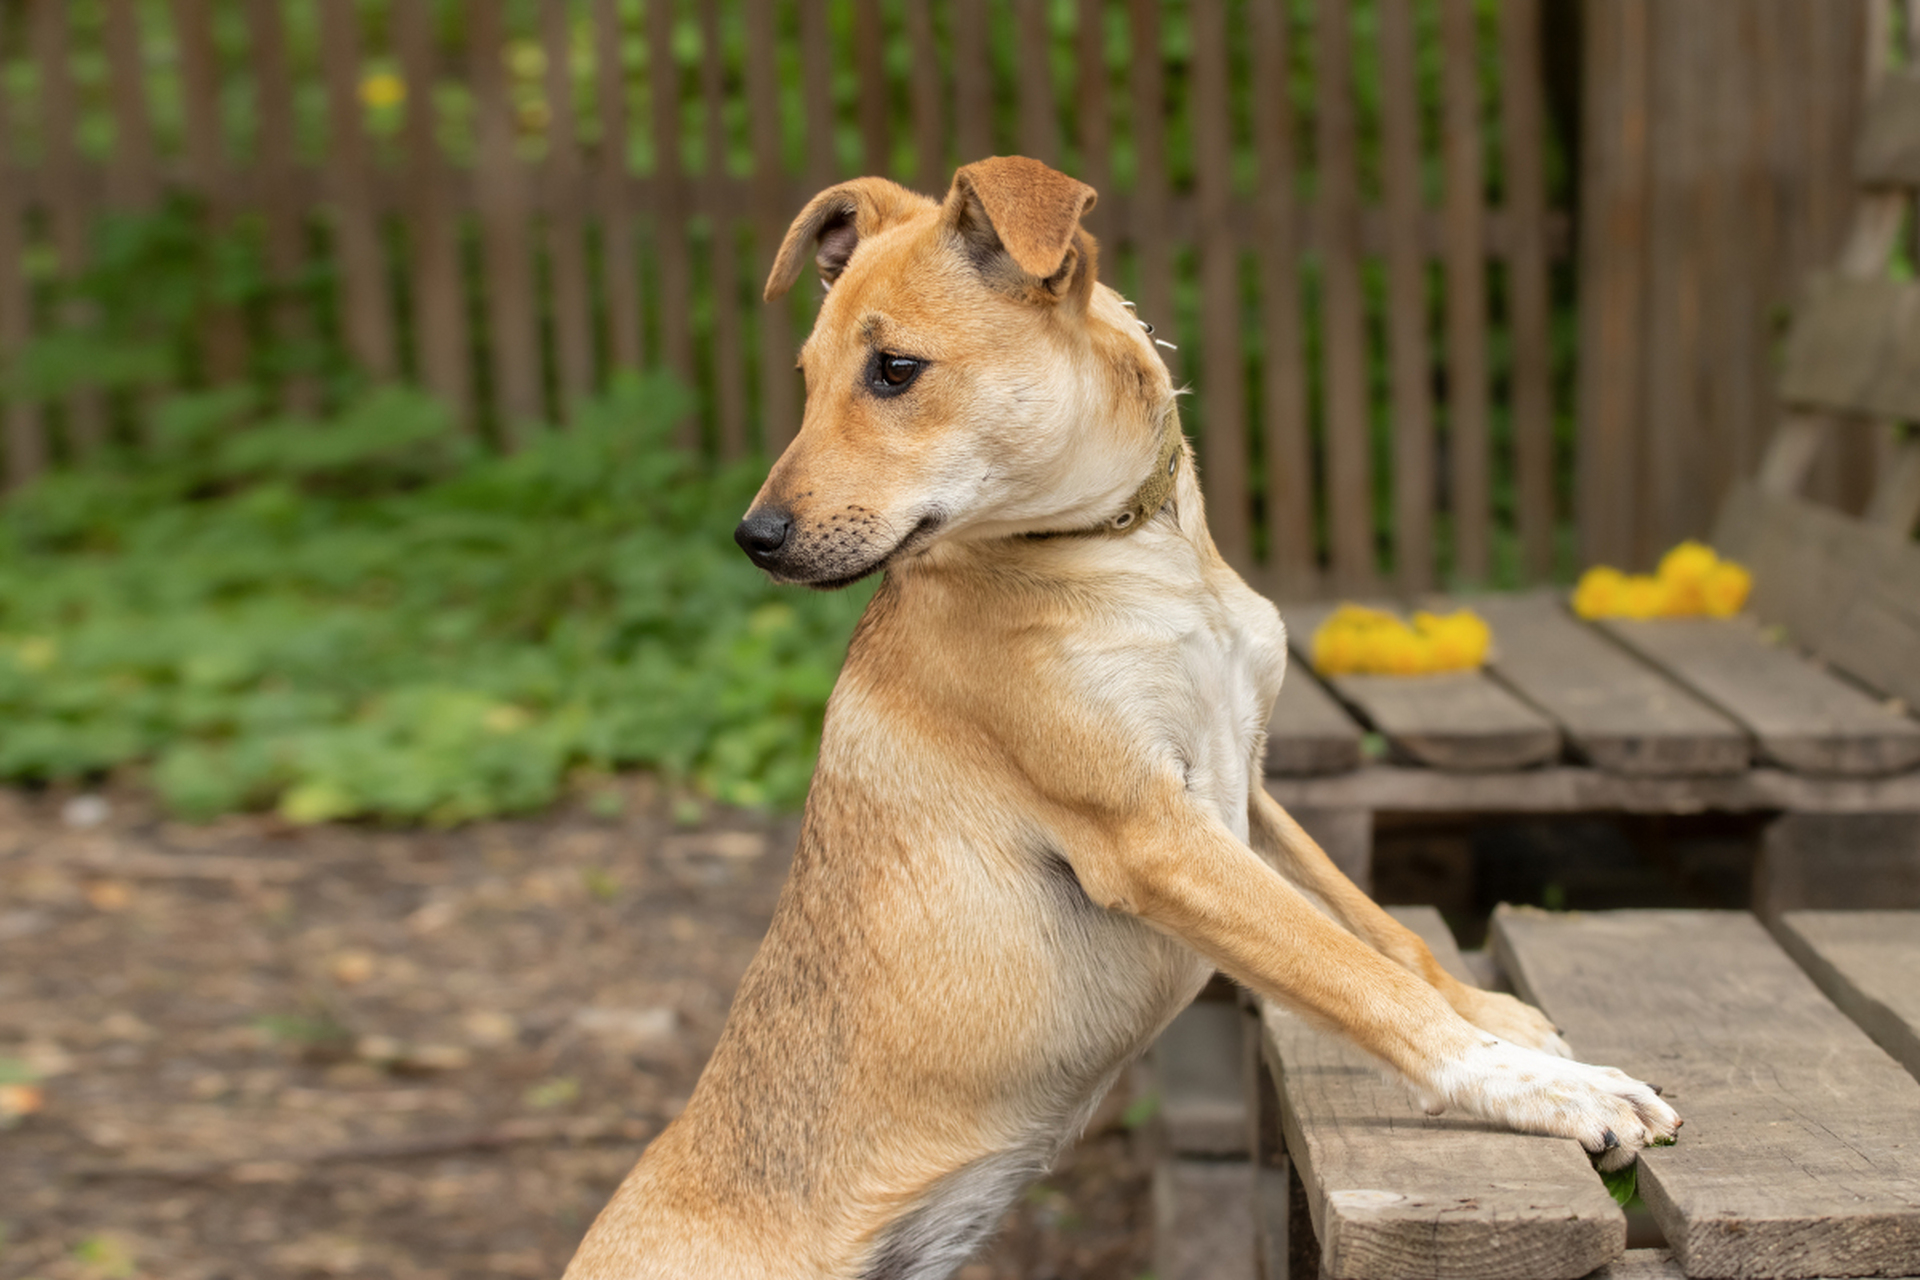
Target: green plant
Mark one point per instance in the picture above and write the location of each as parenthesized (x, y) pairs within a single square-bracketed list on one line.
[(369, 616)]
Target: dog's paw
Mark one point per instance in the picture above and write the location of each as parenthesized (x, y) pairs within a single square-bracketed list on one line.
[(1512, 1020), (1605, 1110)]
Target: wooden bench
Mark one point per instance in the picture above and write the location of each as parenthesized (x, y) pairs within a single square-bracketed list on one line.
[(1803, 708), (1800, 1158)]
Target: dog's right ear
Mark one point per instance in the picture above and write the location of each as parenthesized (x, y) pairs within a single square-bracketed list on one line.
[(1021, 223), (833, 224)]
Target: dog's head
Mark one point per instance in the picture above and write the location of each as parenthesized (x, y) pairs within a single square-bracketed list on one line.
[(967, 376)]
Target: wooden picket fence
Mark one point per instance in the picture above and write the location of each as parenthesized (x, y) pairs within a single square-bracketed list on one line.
[(1337, 212)]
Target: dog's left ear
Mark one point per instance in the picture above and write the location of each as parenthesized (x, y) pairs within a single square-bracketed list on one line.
[(833, 224), (1018, 213)]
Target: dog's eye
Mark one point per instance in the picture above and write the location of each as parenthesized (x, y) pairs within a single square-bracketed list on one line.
[(892, 374)]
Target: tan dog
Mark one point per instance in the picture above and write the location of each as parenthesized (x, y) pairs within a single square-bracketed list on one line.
[(1038, 821)]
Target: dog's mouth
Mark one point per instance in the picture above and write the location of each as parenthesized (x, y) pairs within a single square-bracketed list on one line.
[(915, 540)]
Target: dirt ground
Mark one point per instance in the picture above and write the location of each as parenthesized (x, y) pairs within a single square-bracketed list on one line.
[(250, 1051)]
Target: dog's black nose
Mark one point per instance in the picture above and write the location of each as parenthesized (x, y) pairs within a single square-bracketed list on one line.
[(762, 534)]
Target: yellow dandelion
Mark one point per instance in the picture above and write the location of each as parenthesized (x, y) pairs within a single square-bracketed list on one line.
[(1725, 589), (1689, 562), (1599, 591), (383, 89), (1644, 596)]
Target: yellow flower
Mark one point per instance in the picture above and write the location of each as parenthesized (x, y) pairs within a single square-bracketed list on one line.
[(1456, 642), (382, 89), (1689, 562), (1643, 596), (1599, 592), (1359, 641), (1725, 589)]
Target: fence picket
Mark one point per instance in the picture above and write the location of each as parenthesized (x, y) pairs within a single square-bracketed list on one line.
[(619, 261), (929, 91), (1223, 400), (1150, 236), (68, 212), (513, 334), (364, 303), (876, 116), (1292, 562), (972, 80), (1039, 116), (571, 300), (723, 251), (1466, 298), (671, 249), (441, 333), (131, 180), (1409, 351), (24, 434), (1522, 145), (816, 96), (1096, 128), (779, 405), (1349, 446), (276, 161)]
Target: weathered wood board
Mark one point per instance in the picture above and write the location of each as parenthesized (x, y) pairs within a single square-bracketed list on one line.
[(1803, 717), (1614, 710), (1851, 349), (1846, 589), (1461, 721), (1308, 733), (1888, 152), (1396, 1195), (1801, 1151), (1197, 1065), (1868, 963)]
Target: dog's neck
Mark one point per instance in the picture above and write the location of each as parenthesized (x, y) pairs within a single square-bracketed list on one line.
[(1152, 497)]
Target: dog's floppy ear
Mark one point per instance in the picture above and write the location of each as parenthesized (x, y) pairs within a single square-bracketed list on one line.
[(1020, 208), (833, 224)]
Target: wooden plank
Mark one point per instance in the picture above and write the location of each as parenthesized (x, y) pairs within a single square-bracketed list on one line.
[(1293, 568), (1349, 445), (671, 252), (1800, 716), (1848, 590), (1463, 720), (1094, 119), (283, 218), (131, 180), (1529, 320), (366, 310), (1396, 1195), (1039, 119), (1888, 151), (972, 80), (816, 98), (1838, 862), (929, 93), (1801, 1155), (1470, 500), (68, 213), (1895, 505), (571, 300), (1196, 1066), (1223, 388), (1308, 732), (1614, 710), (1613, 232), (1150, 235), (1408, 353), (24, 436), (1203, 1220), (438, 294), (513, 332), (869, 57), (1867, 963), (779, 399), (723, 257), (1852, 348), (620, 264), (1570, 789)]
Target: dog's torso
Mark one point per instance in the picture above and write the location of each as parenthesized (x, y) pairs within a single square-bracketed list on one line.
[(933, 957)]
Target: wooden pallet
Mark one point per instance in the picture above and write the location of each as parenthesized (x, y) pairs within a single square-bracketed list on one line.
[(1801, 1155)]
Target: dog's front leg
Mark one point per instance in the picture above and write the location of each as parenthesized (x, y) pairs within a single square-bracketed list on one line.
[(1298, 857), (1180, 869)]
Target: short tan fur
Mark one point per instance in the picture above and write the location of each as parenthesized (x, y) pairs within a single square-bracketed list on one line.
[(1038, 823)]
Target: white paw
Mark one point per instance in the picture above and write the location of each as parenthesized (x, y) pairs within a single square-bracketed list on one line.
[(1512, 1020), (1607, 1111)]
